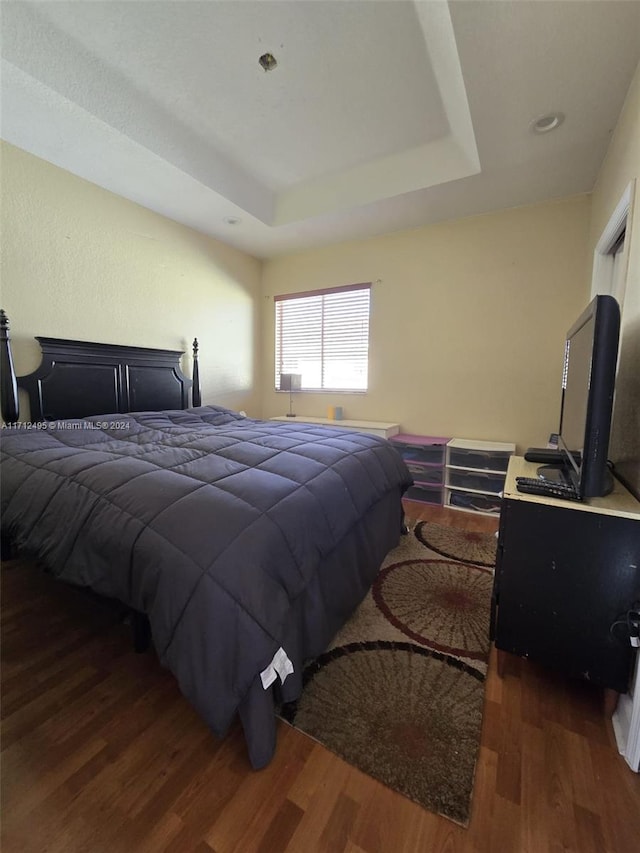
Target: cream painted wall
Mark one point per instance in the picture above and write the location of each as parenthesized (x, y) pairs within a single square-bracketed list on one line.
[(80, 262), (468, 320), (622, 165)]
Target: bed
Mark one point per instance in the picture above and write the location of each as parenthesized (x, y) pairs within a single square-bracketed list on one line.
[(245, 543)]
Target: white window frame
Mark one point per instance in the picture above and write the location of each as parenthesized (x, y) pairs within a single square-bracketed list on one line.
[(325, 332)]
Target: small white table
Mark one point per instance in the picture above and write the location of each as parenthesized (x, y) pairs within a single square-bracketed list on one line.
[(381, 428)]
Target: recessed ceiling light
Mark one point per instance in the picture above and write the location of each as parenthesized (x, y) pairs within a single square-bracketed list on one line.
[(268, 61), (547, 122), (232, 220)]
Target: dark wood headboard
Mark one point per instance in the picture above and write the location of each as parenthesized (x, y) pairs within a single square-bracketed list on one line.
[(80, 378)]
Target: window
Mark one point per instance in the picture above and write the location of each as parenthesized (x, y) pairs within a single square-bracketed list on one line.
[(324, 335)]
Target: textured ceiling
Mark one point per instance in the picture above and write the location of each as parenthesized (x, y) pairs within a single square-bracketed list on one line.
[(379, 116)]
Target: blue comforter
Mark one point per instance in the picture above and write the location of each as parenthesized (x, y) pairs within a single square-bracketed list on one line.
[(213, 524)]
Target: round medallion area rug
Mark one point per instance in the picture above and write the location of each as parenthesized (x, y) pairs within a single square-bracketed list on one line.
[(467, 546), (399, 693), (439, 604)]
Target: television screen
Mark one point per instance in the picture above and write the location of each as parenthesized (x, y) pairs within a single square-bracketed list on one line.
[(588, 384)]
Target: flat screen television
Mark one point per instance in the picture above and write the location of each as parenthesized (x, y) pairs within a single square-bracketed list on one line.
[(588, 385)]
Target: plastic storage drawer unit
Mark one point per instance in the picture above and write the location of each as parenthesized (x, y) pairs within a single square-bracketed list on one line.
[(475, 474), (424, 456)]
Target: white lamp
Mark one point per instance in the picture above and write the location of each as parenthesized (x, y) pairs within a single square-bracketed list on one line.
[(290, 382)]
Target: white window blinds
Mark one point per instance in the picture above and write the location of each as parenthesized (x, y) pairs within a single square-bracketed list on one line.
[(324, 335)]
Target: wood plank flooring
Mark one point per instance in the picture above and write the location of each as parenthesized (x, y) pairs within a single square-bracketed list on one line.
[(100, 753)]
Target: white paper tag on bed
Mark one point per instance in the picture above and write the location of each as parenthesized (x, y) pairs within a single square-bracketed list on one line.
[(279, 666)]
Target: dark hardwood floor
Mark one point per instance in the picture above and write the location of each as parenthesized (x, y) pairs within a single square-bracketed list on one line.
[(101, 753)]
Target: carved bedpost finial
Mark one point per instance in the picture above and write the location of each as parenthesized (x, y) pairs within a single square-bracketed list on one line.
[(8, 384), (195, 388)]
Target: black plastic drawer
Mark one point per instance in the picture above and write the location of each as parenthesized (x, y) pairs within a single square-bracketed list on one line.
[(425, 494), (479, 480), (429, 474), (485, 460), (428, 454)]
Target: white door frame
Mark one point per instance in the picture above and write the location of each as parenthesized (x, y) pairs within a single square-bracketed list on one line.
[(603, 259), (626, 718)]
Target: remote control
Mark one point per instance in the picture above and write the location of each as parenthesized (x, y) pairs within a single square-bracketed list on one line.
[(546, 455), (535, 486)]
